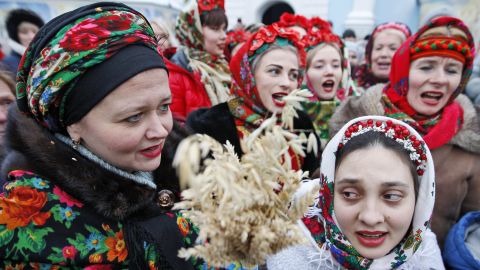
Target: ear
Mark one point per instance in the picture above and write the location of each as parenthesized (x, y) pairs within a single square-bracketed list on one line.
[(75, 131)]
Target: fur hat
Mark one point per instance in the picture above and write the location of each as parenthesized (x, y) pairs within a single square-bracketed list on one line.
[(16, 17)]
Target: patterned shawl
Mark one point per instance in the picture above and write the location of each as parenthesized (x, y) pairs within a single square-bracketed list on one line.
[(321, 220), (57, 58), (439, 129), (363, 74), (214, 72)]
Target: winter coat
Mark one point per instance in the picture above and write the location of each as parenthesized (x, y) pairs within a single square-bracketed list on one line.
[(188, 92), (462, 246), (61, 209), (219, 123), (457, 164)]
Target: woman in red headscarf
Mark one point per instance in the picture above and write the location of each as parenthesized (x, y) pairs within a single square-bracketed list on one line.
[(266, 68), (386, 38), (429, 72)]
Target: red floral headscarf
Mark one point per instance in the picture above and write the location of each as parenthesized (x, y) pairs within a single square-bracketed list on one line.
[(289, 20), (438, 129), (247, 108), (363, 74)]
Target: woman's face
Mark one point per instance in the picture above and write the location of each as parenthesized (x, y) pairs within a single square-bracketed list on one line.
[(162, 36), (129, 126), (352, 58), (6, 98), (26, 32), (325, 72), (384, 46), (374, 200), (432, 80), (214, 39), (276, 75)]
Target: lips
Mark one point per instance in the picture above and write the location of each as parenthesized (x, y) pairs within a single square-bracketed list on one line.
[(328, 86), (371, 238), (431, 98), (383, 65), (278, 99), (153, 151)]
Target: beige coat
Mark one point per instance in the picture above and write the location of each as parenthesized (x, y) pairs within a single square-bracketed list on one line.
[(457, 164)]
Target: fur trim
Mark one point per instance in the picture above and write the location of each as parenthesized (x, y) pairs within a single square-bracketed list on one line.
[(33, 148)]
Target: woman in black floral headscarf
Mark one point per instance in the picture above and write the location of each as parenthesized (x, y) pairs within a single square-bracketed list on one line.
[(86, 187)]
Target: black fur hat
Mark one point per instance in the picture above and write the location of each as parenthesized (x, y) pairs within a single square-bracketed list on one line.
[(16, 17)]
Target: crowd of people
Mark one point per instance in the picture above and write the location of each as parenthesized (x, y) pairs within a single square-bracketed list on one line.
[(94, 103)]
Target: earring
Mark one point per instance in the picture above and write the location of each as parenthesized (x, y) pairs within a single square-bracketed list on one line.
[(76, 143)]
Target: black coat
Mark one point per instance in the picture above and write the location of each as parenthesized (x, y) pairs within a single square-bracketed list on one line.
[(219, 123)]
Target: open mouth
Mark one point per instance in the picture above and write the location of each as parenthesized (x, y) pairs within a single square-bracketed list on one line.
[(383, 65), (328, 85), (153, 151), (371, 239), (431, 98), (278, 99)]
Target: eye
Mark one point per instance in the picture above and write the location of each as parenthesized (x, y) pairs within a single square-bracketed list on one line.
[(350, 194), (336, 66), (294, 76), (393, 48), (274, 71), (393, 196), (426, 67), (164, 108), (452, 70), (134, 118)]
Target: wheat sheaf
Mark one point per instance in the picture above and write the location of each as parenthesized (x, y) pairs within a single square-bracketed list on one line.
[(246, 209)]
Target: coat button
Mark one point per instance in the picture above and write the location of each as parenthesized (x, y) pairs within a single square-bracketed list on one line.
[(165, 198)]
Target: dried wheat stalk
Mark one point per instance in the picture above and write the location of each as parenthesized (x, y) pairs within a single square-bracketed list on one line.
[(245, 209)]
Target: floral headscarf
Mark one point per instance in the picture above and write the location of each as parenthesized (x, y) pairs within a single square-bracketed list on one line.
[(58, 57), (363, 75), (247, 107), (322, 221), (438, 129), (235, 38), (289, 20), (214, 72), (320, 111)]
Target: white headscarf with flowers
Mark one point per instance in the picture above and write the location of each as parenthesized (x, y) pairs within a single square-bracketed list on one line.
[(332, 239)]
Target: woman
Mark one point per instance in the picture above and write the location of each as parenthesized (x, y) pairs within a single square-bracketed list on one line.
[(7, 97), (235, 40), (199, 74), (376, 198), (295, 22), (382, 44), (22, 25), (327, 77), (424, 91), (85, 187), (265, 70)]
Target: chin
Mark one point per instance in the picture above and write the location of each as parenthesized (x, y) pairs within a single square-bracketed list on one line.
[(149, 166)]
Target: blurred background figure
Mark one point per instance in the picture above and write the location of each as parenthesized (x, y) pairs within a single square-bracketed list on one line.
[(22, 25), (235, 40), (349, 35), (384, 41), (7, 97), (166, 38), (355, 54)]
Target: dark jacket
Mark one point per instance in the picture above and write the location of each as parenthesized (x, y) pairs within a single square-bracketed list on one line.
[(219, 123), (465, 235), (59, 208)]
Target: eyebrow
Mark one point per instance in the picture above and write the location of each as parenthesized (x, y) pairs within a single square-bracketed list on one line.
[(353, 181), (274, 65), (132, 108)]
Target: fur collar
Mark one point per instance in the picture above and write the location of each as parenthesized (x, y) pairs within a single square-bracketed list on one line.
[(468, 138), (16, 47), (33, 148)]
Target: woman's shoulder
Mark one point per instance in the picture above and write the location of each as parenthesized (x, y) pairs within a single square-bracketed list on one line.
[(468, 138), (180, 59), (369, 103), (215, 117)]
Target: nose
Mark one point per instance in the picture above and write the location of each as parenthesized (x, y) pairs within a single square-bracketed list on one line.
[(158, 127), (328, 70), (371, 214), (223, 35), (3, 114), (439, 78), (287, 83)]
